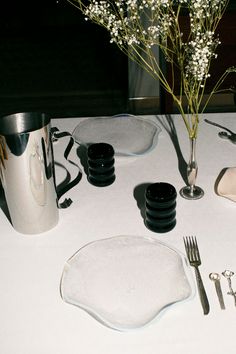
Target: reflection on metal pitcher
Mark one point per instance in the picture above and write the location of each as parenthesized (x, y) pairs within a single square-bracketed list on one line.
[(17, 143), (37, 179), (3, 153)]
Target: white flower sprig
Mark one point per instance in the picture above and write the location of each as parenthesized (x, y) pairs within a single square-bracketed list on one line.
[(138, 26)]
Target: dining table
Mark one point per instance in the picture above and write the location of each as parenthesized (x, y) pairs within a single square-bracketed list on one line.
[(34, 319)]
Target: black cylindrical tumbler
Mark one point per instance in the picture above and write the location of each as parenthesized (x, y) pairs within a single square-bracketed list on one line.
[(101, 170), (160, 213)]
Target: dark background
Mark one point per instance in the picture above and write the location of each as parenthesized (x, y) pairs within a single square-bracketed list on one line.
[(52, 60)]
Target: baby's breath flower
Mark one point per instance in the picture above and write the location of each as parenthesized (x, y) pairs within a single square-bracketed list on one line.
[(199, 52), (138, 26)]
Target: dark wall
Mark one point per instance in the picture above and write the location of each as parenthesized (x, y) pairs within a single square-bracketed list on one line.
[(51, 59)]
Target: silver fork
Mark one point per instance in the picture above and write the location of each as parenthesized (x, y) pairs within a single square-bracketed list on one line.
[(194, 258)]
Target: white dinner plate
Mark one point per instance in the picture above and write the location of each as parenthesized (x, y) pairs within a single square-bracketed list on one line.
[(125, 282)]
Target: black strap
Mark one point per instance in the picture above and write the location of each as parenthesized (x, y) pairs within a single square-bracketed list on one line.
[(55, 135)]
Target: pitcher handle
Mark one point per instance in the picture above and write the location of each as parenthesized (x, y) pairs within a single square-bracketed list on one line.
[(55, 135)]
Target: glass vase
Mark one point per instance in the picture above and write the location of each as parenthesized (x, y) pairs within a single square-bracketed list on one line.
[(191, 191)]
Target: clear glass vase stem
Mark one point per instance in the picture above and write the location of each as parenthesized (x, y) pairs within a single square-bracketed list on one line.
[(191, 191)]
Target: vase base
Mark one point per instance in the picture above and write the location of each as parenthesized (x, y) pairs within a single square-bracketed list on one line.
[(191, 193)]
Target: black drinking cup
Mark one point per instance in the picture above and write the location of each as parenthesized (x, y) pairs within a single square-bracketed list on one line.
[(160, 207), (101, 170)]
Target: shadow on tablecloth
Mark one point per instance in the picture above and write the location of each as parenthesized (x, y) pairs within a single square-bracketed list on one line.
[(168, 124)]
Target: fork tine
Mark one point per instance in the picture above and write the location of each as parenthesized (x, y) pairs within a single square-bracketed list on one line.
[(197, 254), (187, 248), (192, 248), (185, 243), (190, 244)]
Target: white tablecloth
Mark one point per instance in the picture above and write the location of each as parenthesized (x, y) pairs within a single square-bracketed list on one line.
[(33, 317)]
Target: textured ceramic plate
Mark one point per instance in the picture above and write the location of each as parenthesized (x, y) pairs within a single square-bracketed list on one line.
[(125, 282), (129, 135)]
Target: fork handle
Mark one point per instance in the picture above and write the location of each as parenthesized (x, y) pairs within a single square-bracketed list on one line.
[(202, 292)]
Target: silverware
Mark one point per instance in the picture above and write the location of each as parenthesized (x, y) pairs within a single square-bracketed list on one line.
[(227, 134), (193, 255), (228, 275), (215, 277)]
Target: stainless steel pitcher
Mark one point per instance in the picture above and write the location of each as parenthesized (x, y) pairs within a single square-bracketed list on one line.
[(27, 171)]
